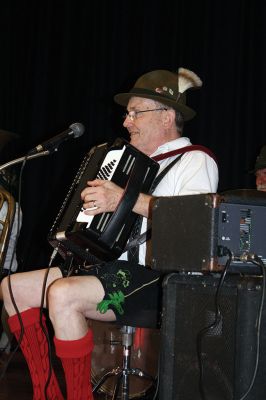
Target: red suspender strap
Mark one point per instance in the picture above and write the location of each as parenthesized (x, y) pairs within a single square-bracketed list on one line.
[(185, 150)]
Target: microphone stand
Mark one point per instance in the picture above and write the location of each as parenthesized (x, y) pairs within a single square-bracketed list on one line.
[(25, 158)]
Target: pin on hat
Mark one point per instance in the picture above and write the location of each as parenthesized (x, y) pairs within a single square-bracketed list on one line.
[(166, 87)]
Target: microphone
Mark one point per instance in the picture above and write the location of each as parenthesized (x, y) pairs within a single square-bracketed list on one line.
[(74, 131)]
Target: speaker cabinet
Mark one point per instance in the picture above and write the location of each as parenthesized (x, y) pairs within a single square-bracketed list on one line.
[(227, 352)]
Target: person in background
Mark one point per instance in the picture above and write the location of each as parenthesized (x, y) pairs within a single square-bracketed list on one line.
[(260, 170), (10, 222), (124, 290)]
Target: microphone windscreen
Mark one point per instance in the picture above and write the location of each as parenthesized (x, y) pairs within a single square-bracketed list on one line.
[(77, 128)]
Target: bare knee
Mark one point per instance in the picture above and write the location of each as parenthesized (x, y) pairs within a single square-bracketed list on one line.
[(74, 295), (59, 296)]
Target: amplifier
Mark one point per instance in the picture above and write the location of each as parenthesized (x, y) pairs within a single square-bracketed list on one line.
[(228, 354), (190, 233)]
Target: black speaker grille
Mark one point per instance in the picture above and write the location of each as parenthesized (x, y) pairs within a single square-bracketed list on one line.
[(188, 308)]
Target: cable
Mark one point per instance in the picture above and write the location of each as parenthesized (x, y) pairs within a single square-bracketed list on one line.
[(46, 334), (247, 257), (217, 320), (256, 260), (154, 397)]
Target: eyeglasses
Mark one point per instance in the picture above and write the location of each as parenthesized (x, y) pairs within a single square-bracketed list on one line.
[(132, 115)]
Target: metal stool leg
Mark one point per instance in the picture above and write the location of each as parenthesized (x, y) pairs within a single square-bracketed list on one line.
[(122, 374), (127, 341)]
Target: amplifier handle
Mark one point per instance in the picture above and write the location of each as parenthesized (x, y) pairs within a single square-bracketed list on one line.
[(129, 198)]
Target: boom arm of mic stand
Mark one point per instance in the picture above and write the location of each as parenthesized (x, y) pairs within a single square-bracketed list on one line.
[(25, 158)]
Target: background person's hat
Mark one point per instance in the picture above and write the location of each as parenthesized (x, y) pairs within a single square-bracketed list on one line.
[(260, 160), (166, 87)]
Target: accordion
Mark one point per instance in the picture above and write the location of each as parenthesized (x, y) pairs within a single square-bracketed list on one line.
[(103, 237)]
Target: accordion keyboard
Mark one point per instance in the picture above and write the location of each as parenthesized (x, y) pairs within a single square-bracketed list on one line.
[(106, 172)]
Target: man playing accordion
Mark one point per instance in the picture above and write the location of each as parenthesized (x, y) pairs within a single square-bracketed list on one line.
[(126, 289)]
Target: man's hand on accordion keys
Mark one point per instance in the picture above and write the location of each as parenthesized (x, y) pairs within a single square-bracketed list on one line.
[(101, 196)]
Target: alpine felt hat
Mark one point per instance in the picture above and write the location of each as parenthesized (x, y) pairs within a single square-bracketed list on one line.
[(166, 87)]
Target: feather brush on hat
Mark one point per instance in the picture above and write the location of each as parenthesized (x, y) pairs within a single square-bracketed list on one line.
[(187, 79)]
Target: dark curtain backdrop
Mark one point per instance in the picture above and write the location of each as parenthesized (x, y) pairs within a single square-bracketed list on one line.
[(62, 62)]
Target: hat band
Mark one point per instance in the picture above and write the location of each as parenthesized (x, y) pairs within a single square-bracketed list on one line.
[(154, 94)]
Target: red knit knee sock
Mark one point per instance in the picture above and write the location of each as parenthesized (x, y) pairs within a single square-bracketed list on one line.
[(76, 359), (35, 350)]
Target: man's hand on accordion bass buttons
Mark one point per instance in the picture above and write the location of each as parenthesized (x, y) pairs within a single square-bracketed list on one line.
[(101, 196)]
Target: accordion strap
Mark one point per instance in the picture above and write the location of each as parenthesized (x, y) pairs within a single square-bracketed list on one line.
[(137, 239), (162, 174), (183, 150)]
